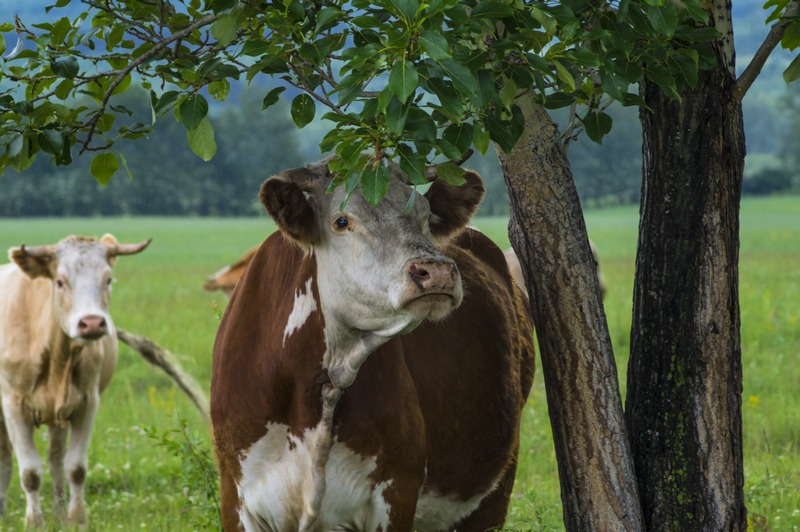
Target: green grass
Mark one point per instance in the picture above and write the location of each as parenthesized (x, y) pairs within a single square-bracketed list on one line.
[(134, 483)]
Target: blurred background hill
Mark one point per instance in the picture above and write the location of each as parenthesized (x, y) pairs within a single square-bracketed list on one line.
[(168, 179)]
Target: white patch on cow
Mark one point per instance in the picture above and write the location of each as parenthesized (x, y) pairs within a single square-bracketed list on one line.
[(442, 512), (277, 482), (304, 306)]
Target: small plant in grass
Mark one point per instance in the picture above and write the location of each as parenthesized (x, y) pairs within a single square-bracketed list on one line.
[(197, 474)]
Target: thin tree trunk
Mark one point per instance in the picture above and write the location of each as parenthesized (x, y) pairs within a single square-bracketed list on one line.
[(547, 231), (685, 374)]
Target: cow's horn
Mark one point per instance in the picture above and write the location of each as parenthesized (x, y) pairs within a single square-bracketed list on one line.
[(430, 171), (38, 252), (127, 249)]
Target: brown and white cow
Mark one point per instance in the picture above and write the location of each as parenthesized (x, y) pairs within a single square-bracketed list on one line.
[(58, 349), (226, 278), (372, 365)]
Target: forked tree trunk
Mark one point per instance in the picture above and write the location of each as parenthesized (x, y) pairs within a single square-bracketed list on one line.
[(547, 230), (685, 375)]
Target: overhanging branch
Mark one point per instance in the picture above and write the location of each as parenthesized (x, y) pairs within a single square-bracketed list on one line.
[(92, 124), (762, 54)]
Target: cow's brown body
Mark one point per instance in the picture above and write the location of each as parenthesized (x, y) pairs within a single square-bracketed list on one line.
[(424, 438)]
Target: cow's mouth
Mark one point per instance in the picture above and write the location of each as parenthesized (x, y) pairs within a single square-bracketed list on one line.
[(432, 306)]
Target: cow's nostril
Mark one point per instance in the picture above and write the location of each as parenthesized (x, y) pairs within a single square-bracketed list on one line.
[(418, 273), (92, 326)]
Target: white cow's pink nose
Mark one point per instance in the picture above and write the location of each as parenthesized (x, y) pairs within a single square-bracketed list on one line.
[(434, 276), (92, 327)]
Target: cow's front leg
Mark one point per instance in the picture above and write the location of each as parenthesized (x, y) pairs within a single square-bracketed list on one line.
[(31, 469), (56, 452), (77, 461), (5, 465)]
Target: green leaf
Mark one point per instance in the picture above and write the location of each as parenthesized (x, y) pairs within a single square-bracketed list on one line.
[(396, 116), (65, 67), (201, 140), (463, 80), (16, 145), (791, 37), (303, 110), (64, 89), (272, 97), (374, 183), (225, 28), (192, 111), (597, 125), (492, 9), (413, 164), (481, 139), (792, 72), (564, 75), (451, 173), (433, 44), (103, 167), (51, 141), (460, 136), (404, 8), (662, 77), (403, 80), (255, 47), (664, 18), (557, 100), (326, 18)]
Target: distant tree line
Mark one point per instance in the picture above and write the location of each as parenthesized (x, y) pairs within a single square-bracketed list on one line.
[(168, 179)]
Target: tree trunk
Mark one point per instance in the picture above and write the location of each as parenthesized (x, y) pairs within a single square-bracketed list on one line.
[(685, 374), (548, 233)]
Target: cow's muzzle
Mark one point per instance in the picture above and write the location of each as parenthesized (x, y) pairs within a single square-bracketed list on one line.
[(92, 327), (433, 276)]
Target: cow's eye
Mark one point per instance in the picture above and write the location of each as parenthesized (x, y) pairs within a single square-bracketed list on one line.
[(109, 281), (342, 222), (60, 283)]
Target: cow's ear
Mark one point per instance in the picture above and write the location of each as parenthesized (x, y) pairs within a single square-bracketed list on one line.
[(35, 262), (109, 240), (286, 202), (452, 206)]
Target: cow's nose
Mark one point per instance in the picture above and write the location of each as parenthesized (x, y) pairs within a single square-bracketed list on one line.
[(433, 275), (92, 327)]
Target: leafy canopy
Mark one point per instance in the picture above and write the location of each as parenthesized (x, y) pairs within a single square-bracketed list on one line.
[(406, 80)]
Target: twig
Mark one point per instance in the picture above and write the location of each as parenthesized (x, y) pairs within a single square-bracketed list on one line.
[(762, 54)]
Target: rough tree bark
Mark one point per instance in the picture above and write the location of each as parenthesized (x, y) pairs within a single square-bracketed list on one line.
[(548, 233), (685, 375)]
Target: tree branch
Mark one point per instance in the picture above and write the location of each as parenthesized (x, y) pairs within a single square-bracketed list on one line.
[(762, 54), (92, 124)]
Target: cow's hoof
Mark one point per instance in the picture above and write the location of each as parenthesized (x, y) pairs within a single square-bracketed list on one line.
[(34, 521), (77, 517)]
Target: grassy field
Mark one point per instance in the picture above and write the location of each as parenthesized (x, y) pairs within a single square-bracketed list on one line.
[(141, 474)]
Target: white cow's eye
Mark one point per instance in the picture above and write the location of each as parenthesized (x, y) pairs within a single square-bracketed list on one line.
[(60, 283)]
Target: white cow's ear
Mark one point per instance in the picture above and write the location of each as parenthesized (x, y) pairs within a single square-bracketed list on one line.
[(109, 240), (452, 206), (286, 202), (35, 262)]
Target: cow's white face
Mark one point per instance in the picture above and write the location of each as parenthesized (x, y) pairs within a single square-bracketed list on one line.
[(80, 269), (378, 269)]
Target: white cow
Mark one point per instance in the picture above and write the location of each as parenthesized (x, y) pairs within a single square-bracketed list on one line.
[(58, 349)]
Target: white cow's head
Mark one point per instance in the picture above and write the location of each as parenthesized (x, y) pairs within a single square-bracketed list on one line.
[(80, 269), (379, 269)]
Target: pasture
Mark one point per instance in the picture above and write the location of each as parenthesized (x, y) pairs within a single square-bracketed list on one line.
[(146, 472)]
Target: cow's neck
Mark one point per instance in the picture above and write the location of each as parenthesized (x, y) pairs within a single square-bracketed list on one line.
[(347, 350), (58, 363)]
